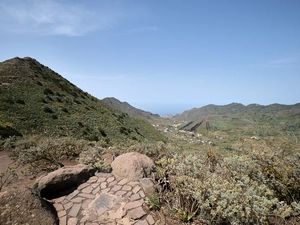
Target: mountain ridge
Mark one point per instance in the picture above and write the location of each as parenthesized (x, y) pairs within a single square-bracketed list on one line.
[(127, 108), (37, 100)]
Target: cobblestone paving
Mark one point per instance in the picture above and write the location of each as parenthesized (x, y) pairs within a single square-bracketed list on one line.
[(104, 200)]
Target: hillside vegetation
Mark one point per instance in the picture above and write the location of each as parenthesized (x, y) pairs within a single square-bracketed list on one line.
[(37, 100)]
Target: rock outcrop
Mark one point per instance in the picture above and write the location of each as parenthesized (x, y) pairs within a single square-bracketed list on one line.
[(62, 181), (132, 166)]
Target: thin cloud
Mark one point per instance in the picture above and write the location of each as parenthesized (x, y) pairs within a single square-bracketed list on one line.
[(50, 17), (289, 60)]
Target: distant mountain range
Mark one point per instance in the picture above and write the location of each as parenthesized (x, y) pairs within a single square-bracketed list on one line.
[(239, 110), (127, 108), (37, 100)]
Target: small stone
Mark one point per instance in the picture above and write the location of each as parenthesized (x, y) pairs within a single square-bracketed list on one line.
[(106, 190), (96, 190), (58, 200), (63, 220), (87, 190), (81, 186), (136, 213), (58, 207), (120, 193), (126, 188), (74, 210), (136, 189), (103, 185), (123, 181), (95, 185), (101, 179), (92, 179), (72, 195), (116, 188), (61, 214), (110, 179), (72, 221), (112, 183), (68, 205), (141, 222), (133, 205), (142, 194), (135, 197), (77, 200), (84, 195), (150, 220)]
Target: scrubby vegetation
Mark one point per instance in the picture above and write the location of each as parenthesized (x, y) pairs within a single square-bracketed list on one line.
[(244, 170)]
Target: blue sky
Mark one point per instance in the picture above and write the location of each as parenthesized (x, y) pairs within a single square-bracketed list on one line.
[(164, 56)]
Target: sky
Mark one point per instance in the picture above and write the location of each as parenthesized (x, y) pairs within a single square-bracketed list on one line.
[(163, 56)]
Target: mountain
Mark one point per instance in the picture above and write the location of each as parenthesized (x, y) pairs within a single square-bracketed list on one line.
[(237, 115), (127, 108), (37, 100)]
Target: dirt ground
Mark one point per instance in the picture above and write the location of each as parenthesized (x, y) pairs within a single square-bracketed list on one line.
[(18, 204)]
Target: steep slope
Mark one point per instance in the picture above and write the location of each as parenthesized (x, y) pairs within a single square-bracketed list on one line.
[(37, 100), (127, 108)]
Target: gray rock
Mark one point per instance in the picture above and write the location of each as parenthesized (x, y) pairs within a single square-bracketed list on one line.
[(62, 181), (132, 166)]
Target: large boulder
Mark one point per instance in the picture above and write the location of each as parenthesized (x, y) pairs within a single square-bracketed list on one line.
[(132, 166), (62, 181), (21, 206)]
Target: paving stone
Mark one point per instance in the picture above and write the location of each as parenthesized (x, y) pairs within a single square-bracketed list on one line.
[(96, 190), (150, 220), (72, 221), (135, 197), (101, 179), (58, 200), (103, 185), (103, 203), (123, 181), (63, 220), (84, 195), (72, 195), (58, 207), (110, 179), (106, 190), (141, 222), (126, 188), (120, 193), (68, 205), (86, 203), (112, 183), (74, 210), (83, 220), (92, 179), (61, 214), (136, 213), (77, 200), (133, 205), (133, 183), (95, 185), (87, 190), (81, 186), (142, 194), (128, 194), (116, 188), (136, 189)]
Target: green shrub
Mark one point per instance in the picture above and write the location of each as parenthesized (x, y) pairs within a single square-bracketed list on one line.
[(93, 157)]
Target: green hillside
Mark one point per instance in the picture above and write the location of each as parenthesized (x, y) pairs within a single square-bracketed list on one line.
[(127, 108), (235, 116), (37, 100)]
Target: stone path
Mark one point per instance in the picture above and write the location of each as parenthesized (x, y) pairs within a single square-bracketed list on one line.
[(103, 199)]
